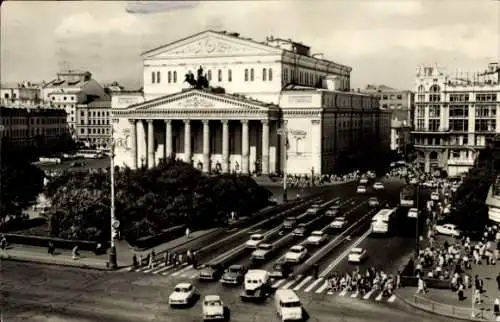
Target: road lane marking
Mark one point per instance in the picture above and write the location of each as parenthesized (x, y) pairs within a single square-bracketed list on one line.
[(163, 269), (345, 253), (379, 297), (287, 285), (278, 283), (301, 284), (194, 275), (313, 285), (367, 295), (322, 288), (149, 270), (181, 271), (343, 293), (392, 298)]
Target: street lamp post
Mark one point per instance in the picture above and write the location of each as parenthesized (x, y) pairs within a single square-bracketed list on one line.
[(417, 237), (283, 131), (114, 223)]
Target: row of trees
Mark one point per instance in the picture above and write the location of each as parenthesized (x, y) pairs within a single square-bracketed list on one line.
[(148, 200)]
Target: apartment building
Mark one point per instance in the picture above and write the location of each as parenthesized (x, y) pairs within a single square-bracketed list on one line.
[(23, 95), (93, 122), (456, 114)]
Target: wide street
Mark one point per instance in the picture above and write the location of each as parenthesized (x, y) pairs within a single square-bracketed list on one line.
[(32, 292)]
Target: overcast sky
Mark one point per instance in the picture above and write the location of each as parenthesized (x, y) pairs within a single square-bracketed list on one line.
[(383, 41)]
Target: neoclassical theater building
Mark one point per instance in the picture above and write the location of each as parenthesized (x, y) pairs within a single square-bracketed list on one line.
[(270, 105)]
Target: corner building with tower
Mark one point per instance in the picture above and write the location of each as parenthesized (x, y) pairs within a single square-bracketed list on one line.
[(267, 101)]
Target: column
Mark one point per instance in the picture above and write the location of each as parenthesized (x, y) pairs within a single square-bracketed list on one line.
[(168, 139), (133, 143), (225, 146), (265, 147), (187, 141), (427, 164), (206, 146), (151, 144), (244, 147)]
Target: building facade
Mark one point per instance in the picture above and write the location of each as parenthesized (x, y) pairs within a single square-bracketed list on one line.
[(455, 116), (401, 104), (273, 106), (93, 122), (70, 89), (24, 95), (23, 127)]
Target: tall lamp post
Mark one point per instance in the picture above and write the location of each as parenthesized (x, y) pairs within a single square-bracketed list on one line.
[(115, 224), (283, 132), (417, 237)]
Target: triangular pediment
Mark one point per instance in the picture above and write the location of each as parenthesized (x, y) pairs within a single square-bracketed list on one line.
[(211, 43), (201, 100)]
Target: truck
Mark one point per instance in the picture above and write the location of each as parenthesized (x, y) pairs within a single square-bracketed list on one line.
[(256, 285)]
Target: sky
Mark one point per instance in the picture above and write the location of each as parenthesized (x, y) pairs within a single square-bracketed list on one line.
[(382, 40)]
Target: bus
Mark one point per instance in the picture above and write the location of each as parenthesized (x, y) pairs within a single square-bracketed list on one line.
[(382, 221), (408, 195), (90, 154)]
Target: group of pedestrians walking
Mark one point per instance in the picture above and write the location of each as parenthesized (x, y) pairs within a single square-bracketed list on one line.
[(170, 258)]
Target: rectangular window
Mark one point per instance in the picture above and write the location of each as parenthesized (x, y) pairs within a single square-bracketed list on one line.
[(270, 78), (457, 111), (264, 74), (434, 111), (485, 125), (434, 125), (153, 77), (219, 75), (158, 77), (251, 75), (246, 75), (175, 76), (229, 75), (169, 77), (459, 125), (420, 124)]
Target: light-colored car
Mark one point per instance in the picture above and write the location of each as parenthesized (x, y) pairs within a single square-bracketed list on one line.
[(254, 241), (262, 251), (183, 294), (373, 202), (296, 254), (317, 238), (363, 181), (301, 230), (313, 209), (357, 255), (435, 196), (361, 189), (448, 230), (413, 213), (213, 308), (333, 210), (338, 223), (378, 186)]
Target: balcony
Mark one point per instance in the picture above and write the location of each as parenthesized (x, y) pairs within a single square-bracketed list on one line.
[(427, 131)]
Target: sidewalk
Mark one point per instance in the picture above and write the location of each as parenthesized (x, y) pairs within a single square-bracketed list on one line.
[(446, 303)]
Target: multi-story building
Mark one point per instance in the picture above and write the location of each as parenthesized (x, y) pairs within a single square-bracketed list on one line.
[(455, 115), (24, 95), (401, 105), (69, 89), (270, 106), (22, 127), (93, 122)]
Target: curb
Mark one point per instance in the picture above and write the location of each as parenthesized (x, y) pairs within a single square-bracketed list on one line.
[(181, 244), (76, 265), (424, 308)]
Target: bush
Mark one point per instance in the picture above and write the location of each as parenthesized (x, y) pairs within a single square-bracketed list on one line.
[(148, 201)]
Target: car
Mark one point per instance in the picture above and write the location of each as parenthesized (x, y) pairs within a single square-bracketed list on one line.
[(378, 186), (333, 210), (262, 251), (289, 223), (313, 209), (363, 181), (361, 189), (357, 255), (213, 308), (280, 270), (233, 275), (392, 165), (183, 294), (317, 238), (413, 213), (435, 196), (296, 254), (254, 241), (338, 223), (301, 230), (211, 273), (448, 230), (373, 202), (371, 174)]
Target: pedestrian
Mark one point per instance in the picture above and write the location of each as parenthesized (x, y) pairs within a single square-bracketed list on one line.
[(316, 271), (187, 233), (232, 215), (460, 292), (75, 253), (51, 248), (134, 262), (141, 260), (496, 307), (498, 281), (420, 286), (398, 279), (3, 243), (153, 254), (151, 260), (165, 259)]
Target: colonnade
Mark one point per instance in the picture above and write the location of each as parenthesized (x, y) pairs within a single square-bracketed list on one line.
[(148, 142)]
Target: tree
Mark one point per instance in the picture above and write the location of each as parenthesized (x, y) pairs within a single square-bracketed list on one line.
[(21, 183)]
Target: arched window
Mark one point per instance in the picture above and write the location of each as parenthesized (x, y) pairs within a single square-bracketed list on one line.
[(246, 74), (270, 78), (435, 89), (209, 75), (420, 88), (219, 75), (175, 76), (264, 74), (229, 75), (169, 76), (299, 145), (435, 96), (251, 75)]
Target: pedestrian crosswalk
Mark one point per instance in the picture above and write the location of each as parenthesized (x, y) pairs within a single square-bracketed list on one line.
[(308, 284), (181, 271)]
